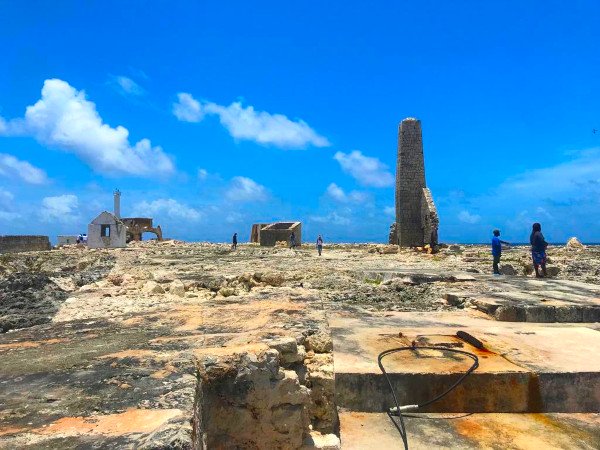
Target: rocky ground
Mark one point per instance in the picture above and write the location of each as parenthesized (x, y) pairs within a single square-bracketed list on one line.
[(192, 343)]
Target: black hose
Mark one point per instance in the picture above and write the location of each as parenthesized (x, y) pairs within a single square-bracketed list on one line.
[(400, 424)]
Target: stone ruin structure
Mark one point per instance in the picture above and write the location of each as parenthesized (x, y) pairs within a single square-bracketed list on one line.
[(255, 232), (417, 220), (16, 244), (66, 240), (107, 231), (136, 226), (267, 235)]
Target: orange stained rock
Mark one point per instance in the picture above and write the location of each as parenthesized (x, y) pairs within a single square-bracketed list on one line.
[(526, 432), (190, 318), (133, 320), (188, 337), (163, 373), (253, 315), (256, 348), (11, 430), (130, 421), (31, 344), (133, 353)]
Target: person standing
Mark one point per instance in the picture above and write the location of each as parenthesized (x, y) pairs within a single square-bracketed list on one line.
[(293, 240), (319, 244), (497, 250), (538, 250), (234, 241)]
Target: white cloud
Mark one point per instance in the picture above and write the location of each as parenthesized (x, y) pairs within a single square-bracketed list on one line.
[(543, 212), (62, 208), (127, 86), (564, 198), (338, 194), (265, 128), (166, 207), (467, 217), (65, 119), (366, 170), (6, 197), (246, 189), (202, 174), (7, 204), (569, 178), (187, 108), (233, 217), (332, 218), (248, 124), (11, 166), (8, 216)]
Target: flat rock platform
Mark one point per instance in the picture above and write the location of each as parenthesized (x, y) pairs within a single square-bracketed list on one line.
[(523, 367), (548, 431)]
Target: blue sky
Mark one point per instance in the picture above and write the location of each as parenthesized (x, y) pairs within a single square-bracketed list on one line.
[(212, 116)]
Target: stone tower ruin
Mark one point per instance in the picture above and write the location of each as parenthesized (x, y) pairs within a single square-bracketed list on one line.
[(416, 216)]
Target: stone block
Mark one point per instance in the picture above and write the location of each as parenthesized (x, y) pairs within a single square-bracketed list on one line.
[(320, 342), (591, 314), (540, 314), (568, 313)]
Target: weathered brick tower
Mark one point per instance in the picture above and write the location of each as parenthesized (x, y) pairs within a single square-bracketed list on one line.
[(416, 217)]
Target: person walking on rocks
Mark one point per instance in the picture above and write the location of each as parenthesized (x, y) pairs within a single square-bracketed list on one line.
[(538, 250), (319, 244), (497, 250), (293, 240), (234, 241)]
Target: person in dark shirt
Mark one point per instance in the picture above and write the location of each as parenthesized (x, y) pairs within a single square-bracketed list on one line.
[(497, 250), (293, 240), (538, 250), (319, 244), (234, 241)]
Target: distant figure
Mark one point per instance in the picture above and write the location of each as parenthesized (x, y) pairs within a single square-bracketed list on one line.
[(293, 240), (85, 238), (538, 250), (234, 241), (497, 250), (80, 239), (319, 244)]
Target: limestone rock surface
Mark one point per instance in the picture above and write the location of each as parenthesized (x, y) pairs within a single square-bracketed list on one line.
[(152, 287)]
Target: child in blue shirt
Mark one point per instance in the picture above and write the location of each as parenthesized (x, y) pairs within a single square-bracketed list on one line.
[(497, 250)]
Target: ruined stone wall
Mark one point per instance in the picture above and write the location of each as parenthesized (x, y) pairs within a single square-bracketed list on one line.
[(118, 232), (279, 396), (429, 218), (67, 240), (15, 244), (393, 235), (255, 232), (270, 235), (410, 181)]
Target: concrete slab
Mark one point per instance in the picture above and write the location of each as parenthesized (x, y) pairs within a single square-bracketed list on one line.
[(523, 299), (520, 307), (475, 431), (523, 368), (512, 298)]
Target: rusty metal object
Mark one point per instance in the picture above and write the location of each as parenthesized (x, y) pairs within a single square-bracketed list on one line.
[(464, 336)]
